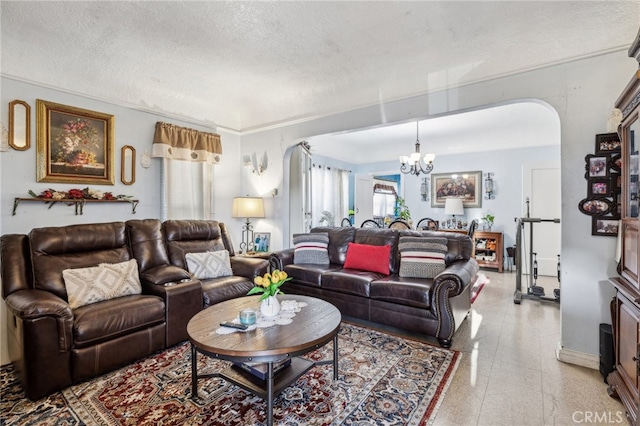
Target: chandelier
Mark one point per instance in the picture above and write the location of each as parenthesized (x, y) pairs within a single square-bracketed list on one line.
[(411, 164)]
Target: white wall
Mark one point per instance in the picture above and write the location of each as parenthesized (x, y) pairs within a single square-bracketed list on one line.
[(583, 94), (135, 128)]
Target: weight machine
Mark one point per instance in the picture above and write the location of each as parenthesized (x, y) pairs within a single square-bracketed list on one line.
[(534, 291)]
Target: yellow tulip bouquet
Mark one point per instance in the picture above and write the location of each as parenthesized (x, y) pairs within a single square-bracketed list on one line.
[(269, 284)]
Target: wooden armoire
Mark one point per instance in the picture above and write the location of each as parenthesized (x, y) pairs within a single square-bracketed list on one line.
[(624, 380)]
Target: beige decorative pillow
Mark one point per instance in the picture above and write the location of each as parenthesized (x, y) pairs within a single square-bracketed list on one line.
[(209, 264), (103, 282)]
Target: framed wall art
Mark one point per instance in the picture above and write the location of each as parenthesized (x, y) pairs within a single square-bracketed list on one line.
[(597, 166), (465, 185), (262, 241), (604, 226), (599, 187), (74, 145), (594, 206), (607, 143)]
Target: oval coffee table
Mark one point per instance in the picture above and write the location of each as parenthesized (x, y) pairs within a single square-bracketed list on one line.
[(314, 326)]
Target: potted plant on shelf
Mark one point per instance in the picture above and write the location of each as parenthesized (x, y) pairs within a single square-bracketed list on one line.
[(488, 221)]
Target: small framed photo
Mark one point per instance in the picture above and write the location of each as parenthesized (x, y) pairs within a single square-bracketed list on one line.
[(594, 206), (599, 187), (604, 226), (597, 166), (607, 143), (261, 242)]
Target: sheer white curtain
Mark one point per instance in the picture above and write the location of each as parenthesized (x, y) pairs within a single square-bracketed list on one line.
[(384, 198), (330, 195), (188, 157)]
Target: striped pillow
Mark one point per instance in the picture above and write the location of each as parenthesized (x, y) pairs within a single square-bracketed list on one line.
[(311, 248), (422, 257)]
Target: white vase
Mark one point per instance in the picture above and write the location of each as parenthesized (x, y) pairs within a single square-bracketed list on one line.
[(270, 307)]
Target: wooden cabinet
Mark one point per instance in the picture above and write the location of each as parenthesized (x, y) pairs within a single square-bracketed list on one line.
[(488, 249), (623, 381)]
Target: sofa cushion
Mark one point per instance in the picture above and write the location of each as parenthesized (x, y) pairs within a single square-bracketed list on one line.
[(218, 290), (209, 264), (103, 282), (339, 238), (309, 274), (311, 248), (107, 320), (414, 292), (422, 257), (350, 281), (368, 258), (381, 237)]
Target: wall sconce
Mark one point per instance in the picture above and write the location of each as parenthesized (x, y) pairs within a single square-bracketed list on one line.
[(258, 167), (424, 189), (488, 187)]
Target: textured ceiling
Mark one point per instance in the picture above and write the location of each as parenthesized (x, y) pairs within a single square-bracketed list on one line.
[(248, 65)]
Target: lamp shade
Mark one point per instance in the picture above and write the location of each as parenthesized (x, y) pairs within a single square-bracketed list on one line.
[(453, 206), (247, 207)]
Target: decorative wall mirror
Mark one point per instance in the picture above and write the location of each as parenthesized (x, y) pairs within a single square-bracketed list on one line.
[(19, 125), (128, 165)]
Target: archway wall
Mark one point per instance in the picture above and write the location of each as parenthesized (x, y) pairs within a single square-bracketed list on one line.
[(582, 93)]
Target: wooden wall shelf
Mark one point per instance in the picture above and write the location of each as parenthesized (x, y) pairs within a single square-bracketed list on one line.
[(78, 203)]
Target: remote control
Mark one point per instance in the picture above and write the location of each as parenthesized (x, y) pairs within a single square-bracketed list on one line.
[(234, 325)]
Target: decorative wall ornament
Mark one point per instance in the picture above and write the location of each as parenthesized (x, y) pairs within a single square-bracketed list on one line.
[(258, 167), (465, 185)]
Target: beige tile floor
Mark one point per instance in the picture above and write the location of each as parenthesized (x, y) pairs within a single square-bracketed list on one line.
[(509, 374)]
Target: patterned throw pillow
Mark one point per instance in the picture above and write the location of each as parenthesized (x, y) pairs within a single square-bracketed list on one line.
[(311, 248), (209, 264), (103, 282), (422, 257)]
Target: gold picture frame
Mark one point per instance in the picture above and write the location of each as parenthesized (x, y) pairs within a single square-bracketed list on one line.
[(74, 145)]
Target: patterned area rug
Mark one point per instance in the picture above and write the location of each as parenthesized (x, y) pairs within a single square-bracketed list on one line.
[(383, 379)]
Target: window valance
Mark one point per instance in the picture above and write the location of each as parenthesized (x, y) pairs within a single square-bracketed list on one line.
[(181, 143), (380, 188)]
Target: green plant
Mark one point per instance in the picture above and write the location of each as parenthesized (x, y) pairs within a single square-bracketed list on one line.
[(488, 219), (402, 210)]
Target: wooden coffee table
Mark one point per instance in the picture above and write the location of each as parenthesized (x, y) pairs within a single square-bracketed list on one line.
[(313, 327)]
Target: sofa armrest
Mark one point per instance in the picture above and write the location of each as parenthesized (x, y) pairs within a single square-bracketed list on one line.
[(460, 272), (249, 267), (35, 304), (280, 259), (164, 274)]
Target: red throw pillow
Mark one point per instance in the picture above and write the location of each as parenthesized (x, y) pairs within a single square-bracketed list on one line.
[(368, 258)]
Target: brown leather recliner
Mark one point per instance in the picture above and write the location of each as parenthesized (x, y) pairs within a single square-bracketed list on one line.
[(192, 236), (52, 345)]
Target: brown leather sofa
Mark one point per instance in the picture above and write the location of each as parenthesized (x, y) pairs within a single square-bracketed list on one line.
[(435, 307), (53, 346)]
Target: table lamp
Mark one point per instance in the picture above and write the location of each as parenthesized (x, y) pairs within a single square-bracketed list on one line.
[(453, 206), (247, 207)]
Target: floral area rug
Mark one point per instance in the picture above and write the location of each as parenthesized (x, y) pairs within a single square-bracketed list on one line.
[(481, 281), (383, 379)]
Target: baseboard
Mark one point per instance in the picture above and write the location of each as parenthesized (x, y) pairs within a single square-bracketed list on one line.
[(578, 358)]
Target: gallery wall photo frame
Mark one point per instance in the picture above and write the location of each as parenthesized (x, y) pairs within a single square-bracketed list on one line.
[(74, 145), (465, 185), (596, 206), (607, 143), (599, 187), (604, 226), (261, 242), (596, 166)]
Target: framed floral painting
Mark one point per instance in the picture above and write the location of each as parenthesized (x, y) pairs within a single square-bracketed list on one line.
[(74, 145)]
